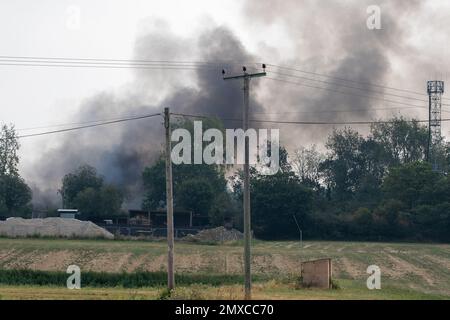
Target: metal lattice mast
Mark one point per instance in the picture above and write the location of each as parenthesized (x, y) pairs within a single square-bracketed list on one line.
[(435, 90)]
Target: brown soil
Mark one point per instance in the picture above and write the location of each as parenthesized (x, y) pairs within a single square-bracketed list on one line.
[(402, 267)]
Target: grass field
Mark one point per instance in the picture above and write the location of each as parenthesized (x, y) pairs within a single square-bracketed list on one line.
[(409, 271)]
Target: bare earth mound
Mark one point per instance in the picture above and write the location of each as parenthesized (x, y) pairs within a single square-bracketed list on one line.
[(219, 234), (52, 227)]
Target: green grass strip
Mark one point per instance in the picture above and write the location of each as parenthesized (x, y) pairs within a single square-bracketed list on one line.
[(125, 280)]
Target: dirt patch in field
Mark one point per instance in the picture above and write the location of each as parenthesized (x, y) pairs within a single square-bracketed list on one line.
[(108, 262), (402, 267), (193, 262), (439, 260), (234, 264), (6, 255), (153, 263), (18, 260), (228, 259), (52, 261), (263, 264), (348, 267), (59, 260), (286, 264), (231, 263), (137, 263)]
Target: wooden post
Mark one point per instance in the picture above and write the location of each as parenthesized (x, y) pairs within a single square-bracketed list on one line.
[(247, 219), (246, 203), (169, 203)]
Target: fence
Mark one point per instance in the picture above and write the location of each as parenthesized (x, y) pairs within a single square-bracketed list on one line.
[(135, 231)]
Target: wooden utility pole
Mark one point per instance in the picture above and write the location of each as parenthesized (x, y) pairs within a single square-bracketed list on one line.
[(247, 213), (169, 202)]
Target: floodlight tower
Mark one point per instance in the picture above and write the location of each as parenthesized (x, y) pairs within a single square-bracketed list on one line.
[(435, 92)]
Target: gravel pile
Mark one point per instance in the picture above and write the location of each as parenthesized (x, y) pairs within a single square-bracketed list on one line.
[(52, 227), (219, 234)]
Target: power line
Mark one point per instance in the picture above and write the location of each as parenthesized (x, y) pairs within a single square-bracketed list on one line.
[(345, 79), (295, 69), (73, 123), (353, 94), (331, 123), (192, 68), (102, 62), (221, 118), (194, 65), (336, 111), (89, 126), (100, 66), (56, 59), (111, 63), (299, 122), (6, 60), (68, 64), (344, 92), (346, 86), (255, 113)]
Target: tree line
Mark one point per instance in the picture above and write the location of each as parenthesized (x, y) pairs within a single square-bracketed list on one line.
[(376, 186)]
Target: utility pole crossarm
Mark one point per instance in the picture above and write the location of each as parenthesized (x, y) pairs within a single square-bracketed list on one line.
[(249, 75)]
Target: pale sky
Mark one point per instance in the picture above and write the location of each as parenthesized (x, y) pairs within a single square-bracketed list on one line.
[(108, 29)]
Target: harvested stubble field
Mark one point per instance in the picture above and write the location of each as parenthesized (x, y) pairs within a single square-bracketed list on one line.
[(415, 271)]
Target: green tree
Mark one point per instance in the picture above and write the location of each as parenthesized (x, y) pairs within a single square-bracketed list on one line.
[(432, 222), (362, 223), (403, 141), (376, 183), (416, 203), (73, 183), (306, 164), (9, 147), (103, 202), (356, 165), (275, 200), (391, 220), (196, 187), (15, 195), (344, 166), (413, 184), (196, 195), (86, 191)]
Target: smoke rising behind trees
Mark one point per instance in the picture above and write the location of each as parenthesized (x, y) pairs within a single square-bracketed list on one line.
[(329, 39)]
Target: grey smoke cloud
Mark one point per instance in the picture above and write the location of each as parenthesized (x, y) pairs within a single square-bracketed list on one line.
[(330, 37), (120, 152), (327, 37)]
